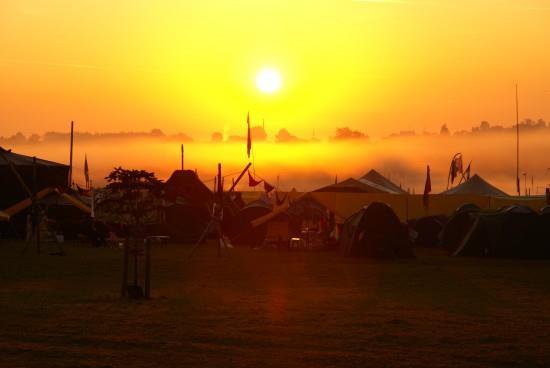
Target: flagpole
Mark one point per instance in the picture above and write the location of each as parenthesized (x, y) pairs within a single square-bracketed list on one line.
[(71, 156), (517, 141), (182, 157)]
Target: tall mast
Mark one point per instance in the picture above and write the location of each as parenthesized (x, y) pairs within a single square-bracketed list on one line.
[(517, 141), (182, 157), (71, 156)]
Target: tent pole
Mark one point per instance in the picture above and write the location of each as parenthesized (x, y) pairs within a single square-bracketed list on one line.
[(220, 198), (182, 156), (71, 156), (239, 177), (36, 216), (517, 142)]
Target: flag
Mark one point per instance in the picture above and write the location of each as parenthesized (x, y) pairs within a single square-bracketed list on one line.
[(279, 201), (86, 172), (456, 167), (248, 138), (467, 171), (252, 182), (268, 187), (427, 187), (83, 191)]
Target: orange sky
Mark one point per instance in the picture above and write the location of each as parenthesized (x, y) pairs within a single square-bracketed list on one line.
[(189, 66)]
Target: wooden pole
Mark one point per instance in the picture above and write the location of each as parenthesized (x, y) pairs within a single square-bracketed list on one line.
[(517, 141), (220, 199), (134, 240), (239, 177), (36, 220), (148, 268), (182, 156), (124, 285), (71, 156)]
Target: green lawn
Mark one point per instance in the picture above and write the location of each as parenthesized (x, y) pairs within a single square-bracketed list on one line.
[(272, 309)]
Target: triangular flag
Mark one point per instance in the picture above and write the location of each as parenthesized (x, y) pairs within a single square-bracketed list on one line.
[(252, 182), (427, 187), (279, 201), (268, 187), (86, 172)]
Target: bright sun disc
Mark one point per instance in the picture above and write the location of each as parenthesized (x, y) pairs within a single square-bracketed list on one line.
[(268, 80)]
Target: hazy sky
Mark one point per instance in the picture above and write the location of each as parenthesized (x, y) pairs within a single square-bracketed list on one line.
[(189, 66)]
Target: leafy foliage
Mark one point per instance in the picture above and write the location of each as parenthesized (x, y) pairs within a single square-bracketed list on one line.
[(133, 197)]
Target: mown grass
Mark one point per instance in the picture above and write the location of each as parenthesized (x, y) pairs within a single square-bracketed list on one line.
[(272, 309)]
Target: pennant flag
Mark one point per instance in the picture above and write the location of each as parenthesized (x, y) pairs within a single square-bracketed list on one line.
[(252, 182), (86, 172), (268, 187), (279, 201), (456, 167), (248, 138), (427, 187), (83, 191)]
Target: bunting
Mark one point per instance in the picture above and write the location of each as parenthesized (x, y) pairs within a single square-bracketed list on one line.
[(427, 187), (268, 187), (279, 201), (252, 182), (86, 172)]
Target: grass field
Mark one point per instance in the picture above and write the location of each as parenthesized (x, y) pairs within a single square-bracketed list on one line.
[(272, 309)]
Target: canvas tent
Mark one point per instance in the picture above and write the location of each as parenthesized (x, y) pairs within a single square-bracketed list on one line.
[(428, 230), (512, 232), (458, 226), (307, 210), (48, 175), (375, 232), (350, 185), (373, 177), (241, 232), (476, 185), (188, 206)]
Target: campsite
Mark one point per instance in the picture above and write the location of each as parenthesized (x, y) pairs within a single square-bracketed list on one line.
[(220, 183), (358, 271)]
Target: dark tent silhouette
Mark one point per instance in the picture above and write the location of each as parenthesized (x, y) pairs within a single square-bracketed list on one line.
[(374, 177), (351, 185), (375, 232), (476, 186), (240, 230), (188, 206), (428, 230), (458, 225), (307, 210), (48, 175), (512, 232)]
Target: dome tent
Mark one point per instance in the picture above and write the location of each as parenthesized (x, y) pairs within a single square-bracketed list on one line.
[(375, 232), (458, 225), (512, 232)]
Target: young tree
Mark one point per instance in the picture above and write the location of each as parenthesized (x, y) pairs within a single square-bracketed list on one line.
[(132, 199)]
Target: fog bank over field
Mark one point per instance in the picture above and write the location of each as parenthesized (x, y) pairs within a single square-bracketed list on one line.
[(309, 164)]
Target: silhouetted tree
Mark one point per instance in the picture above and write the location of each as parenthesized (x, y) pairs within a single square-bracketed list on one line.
[(444, 130), (134, 197), (217, 137)]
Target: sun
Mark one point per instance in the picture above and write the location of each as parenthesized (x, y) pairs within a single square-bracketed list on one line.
[(268, 80)]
